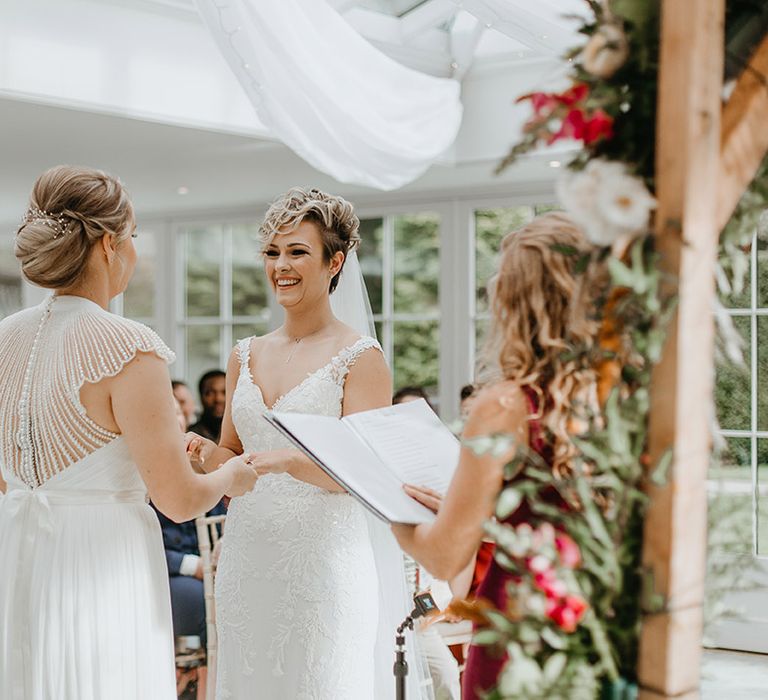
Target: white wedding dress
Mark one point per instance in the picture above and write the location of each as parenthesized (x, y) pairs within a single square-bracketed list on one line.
[(84, 601), (296, 588)]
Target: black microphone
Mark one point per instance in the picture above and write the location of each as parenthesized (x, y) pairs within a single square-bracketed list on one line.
[(424, 604)]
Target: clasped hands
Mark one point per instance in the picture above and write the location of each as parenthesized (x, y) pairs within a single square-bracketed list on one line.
[(200, 449)]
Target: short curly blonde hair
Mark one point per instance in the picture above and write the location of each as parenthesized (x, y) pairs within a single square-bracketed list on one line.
[(334, 217)]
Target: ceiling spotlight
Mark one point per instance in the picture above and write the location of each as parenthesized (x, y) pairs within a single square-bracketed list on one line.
[(554, 163), (182, 190)]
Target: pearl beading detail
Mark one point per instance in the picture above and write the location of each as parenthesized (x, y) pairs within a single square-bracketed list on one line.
[(48, 353)]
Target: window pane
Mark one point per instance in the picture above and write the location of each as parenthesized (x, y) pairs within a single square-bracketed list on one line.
[(139, 297), (416, 354), (742, 299), (491, 225), (762, 274), (762, 372), (732, 393), (417, 263), (481, 334), (249, 286), (762, 497), (246, 330), (202, 247), (10, 279), (203, 343), (371, 256), (730, 499)]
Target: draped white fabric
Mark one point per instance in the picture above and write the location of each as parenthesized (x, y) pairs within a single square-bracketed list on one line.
[(337, 101), (543, 25)]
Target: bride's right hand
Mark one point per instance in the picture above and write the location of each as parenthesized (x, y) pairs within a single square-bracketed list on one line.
[(244, 476)]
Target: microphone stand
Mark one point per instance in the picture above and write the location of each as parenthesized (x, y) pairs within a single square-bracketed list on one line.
[(425, 605), (401, 665)]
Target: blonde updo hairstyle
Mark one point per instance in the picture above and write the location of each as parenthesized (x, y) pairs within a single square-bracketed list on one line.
[(334, 217), (543, 308), (70, 209)]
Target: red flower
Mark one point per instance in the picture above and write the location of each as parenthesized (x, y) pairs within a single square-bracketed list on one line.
[(566, 614), (570, 556), (576, 125), (550, 585), (542, 102), (577, 604), (573, 95), (599, 126)]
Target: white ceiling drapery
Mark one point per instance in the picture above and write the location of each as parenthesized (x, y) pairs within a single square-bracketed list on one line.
[(338, 102)]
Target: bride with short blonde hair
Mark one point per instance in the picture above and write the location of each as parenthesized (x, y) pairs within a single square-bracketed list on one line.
[(309, 587)]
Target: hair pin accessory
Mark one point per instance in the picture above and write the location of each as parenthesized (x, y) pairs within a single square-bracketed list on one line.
[(60, 223)]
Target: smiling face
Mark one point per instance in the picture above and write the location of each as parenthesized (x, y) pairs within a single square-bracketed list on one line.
[(296, 266)]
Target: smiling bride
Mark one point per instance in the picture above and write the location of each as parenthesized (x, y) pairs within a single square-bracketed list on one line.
[(301, 569)]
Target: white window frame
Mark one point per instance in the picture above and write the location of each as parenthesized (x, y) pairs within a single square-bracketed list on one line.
[(456, 283)]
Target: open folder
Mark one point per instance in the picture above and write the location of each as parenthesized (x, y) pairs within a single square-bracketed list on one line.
[(373, 453)]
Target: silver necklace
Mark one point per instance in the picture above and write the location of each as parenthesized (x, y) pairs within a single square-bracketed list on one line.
[(296, 344), (293, 350)]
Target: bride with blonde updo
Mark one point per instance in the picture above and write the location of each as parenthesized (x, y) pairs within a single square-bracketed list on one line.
[(87, 432)]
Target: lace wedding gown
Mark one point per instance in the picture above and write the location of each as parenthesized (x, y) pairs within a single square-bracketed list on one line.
[(296, 588), (84, 603)]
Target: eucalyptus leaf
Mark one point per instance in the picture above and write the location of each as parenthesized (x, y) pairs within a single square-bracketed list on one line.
[(554, 666), (509, 501), (486, 638)]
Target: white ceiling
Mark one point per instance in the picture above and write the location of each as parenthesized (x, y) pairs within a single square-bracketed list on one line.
[(220, 171), (179, 119)]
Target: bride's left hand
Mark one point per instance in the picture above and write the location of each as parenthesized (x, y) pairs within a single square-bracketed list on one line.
[(273, 462), (427, 497)]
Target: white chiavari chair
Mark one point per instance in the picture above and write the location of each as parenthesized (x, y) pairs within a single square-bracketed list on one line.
[(209, 530)]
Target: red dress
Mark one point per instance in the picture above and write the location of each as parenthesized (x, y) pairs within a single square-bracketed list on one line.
[(483, 665)]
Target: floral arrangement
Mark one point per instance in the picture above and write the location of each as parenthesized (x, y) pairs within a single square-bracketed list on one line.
[(573, 626)]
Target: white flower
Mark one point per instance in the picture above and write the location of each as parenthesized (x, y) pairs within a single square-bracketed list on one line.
[(606, 201), (624, 202)]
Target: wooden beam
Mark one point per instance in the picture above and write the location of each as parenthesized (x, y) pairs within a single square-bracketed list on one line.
[(687, 175), (744, 140)]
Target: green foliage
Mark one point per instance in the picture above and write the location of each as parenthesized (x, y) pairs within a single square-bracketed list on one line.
[(491, 225), (630, 95), (417, 263)]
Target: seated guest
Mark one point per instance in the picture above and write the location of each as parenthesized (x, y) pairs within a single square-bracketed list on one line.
[(411, 393), (541, 308), (185, 570), (187, 402), (466, 399), (213, 396)]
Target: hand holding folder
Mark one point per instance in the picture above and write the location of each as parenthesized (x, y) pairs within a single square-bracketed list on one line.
[(372, 454)]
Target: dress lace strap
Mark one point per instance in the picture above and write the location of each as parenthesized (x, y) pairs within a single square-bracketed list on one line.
[(244, 355), (345, 360)]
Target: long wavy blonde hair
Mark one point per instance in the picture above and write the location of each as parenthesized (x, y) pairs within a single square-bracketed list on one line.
[(543, 317)]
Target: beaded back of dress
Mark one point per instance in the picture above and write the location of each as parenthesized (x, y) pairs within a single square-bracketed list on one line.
[(48, 353)]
